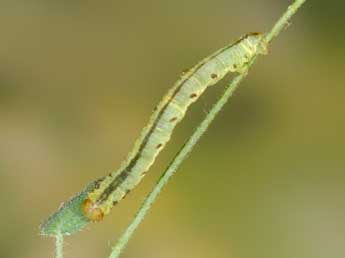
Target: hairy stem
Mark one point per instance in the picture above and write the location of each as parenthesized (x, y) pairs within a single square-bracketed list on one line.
[(59, 245), (201, 129), (284, 20)]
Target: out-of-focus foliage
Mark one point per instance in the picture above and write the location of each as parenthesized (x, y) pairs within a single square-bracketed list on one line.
[(78, 81)]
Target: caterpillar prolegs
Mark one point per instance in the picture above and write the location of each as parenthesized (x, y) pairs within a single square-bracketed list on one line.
[(100, 196), (168, 113)]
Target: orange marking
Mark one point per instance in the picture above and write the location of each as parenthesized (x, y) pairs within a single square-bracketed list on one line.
[(92, 211)]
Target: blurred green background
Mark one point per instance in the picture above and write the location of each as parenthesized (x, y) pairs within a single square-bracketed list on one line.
[(79, 79)]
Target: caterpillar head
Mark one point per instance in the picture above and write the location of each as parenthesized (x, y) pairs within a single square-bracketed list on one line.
[(92, 211)]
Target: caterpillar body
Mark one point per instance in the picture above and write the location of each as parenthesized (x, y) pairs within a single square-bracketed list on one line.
[(109, 190)]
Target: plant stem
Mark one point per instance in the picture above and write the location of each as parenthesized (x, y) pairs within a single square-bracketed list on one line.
[(284, 20), (59, 245), (201, 129), (171, 169)]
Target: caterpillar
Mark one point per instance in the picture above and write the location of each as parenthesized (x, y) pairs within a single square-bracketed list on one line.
[(168, 113), (99, 197)]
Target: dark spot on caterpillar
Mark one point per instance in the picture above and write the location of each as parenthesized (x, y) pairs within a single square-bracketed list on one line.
[(246, 56), (235, 66), (185, 71), (126, 193), (115, 202), (193, 95), (173, 119), (214, 76), (254, 34), (97, 184), (159, 146)]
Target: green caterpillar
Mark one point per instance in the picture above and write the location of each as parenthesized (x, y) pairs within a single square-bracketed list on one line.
[(97, 200)]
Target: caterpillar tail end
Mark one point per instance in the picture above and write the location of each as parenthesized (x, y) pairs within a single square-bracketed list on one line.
[(70, 217), (263, 45)]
